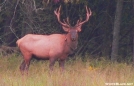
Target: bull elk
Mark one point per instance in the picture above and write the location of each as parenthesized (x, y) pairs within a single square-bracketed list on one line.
[(53, 47)]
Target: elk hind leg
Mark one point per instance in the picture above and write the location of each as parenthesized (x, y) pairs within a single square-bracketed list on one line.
[(22, 67), (25, 64)]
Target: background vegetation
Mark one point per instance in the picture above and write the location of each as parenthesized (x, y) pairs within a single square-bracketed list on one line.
[(98, 44), (20, 17)]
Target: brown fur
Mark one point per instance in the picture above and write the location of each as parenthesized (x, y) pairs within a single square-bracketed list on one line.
[(53, 47)]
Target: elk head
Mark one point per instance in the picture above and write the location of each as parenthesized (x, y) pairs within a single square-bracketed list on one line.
[(73, 30)]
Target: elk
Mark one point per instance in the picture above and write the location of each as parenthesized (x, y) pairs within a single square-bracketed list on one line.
[(52, 47)]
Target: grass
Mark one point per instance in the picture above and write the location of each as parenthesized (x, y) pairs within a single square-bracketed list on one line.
[(77, 73)]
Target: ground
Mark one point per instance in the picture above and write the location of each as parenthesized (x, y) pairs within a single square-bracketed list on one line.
[(90, 72)]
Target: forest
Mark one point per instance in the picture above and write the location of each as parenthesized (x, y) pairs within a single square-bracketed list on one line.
[(108, 33), (105, 51)]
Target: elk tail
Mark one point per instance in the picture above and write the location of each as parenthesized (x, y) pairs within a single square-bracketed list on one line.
[(18, 42)]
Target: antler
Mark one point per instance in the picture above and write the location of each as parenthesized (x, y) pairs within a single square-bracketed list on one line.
[(57, 13), (89, 13), (67, 21)]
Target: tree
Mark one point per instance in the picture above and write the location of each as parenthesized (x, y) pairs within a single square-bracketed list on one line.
[(133, 33), (116, 30)]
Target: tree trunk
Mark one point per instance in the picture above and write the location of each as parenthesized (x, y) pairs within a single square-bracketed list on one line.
[(133, 34), (116, 30)]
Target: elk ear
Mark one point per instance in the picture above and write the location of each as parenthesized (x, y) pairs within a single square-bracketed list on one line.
[(79, 28), (66, 29)]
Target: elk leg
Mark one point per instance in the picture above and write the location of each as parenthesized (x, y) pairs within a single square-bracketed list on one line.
[(61, 64), (27, 63), (52, 62), (22, 67), (27, 58)]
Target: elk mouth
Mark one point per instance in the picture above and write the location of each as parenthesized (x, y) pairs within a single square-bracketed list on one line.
[(73, 39)]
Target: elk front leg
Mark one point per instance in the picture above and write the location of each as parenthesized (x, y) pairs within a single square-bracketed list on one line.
[(61, 64), (52, 62)]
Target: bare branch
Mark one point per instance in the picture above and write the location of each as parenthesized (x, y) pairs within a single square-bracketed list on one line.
[(1, 5), (13, 18)]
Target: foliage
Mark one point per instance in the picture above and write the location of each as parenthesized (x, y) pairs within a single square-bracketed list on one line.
[(37, 16)]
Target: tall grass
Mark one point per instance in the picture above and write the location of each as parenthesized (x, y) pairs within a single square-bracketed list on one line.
[(77, 73)]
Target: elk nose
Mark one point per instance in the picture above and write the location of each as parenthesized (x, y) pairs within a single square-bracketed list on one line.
[(73, 39), (73, 35)]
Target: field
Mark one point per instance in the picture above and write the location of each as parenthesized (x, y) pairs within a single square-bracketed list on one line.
[(90, 72)]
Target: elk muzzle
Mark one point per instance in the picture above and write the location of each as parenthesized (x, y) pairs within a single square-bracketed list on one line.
[(74, 35)]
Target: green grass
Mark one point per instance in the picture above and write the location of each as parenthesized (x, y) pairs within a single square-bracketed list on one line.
[(77, 73)]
